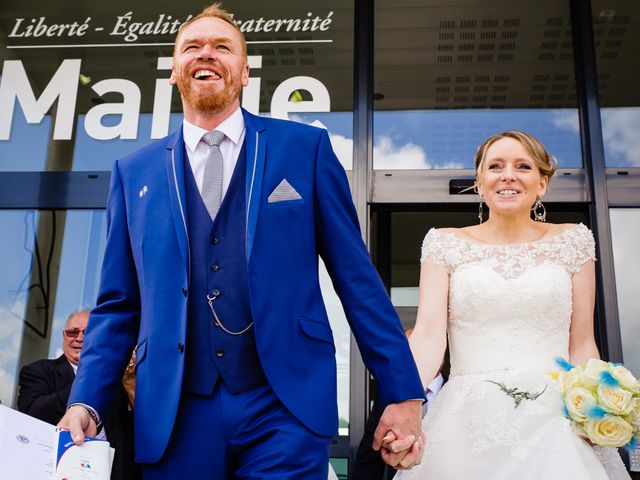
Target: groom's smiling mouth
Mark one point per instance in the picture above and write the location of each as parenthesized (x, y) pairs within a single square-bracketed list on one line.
[(206, 74)]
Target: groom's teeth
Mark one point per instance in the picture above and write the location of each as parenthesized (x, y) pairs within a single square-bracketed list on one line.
[(204, 73)]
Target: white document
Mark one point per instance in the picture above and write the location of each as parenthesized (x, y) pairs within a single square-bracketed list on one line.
[(32, 449), (26, 446)]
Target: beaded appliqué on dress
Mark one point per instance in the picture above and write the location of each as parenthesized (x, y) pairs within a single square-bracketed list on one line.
[(569, 249)]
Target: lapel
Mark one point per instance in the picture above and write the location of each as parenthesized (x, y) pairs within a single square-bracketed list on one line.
[(174, 165), (65, 370), (256, 140)]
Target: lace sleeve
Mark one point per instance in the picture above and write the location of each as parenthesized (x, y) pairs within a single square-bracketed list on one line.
[(434, 249), (581, 247)]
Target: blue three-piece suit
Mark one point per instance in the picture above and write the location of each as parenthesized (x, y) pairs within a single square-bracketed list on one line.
[(258, 261)]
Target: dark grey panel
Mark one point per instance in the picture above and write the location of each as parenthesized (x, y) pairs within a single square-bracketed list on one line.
[(54, 190)]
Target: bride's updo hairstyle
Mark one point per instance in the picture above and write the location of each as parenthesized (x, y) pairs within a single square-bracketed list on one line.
[(546, 163)]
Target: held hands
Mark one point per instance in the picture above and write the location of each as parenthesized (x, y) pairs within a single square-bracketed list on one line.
[(79, 423), (399, 436)]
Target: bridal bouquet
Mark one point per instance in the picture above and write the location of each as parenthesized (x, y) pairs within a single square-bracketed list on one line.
[(603, 402)]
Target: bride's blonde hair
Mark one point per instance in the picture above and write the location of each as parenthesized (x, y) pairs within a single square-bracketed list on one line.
[(546, 163)]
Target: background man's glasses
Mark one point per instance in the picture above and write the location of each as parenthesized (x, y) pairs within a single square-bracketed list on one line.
[(74, 332)]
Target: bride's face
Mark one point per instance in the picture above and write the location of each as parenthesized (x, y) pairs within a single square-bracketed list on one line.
[(509, 179)]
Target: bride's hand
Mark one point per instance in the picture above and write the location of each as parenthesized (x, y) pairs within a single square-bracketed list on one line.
[(413, 457), (398, 434)]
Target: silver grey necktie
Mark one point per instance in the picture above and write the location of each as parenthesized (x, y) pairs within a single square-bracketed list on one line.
[(212, 185)]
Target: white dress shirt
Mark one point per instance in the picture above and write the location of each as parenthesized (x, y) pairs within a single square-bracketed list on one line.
[(197, 151), (431, 392)]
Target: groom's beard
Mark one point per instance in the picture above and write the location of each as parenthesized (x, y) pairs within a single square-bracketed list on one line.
[(210, 102)]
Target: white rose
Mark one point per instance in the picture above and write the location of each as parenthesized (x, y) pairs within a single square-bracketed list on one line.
[(615, 400), (579, 401), (570, 379), (625, 378), (590, 374), (610, 431)]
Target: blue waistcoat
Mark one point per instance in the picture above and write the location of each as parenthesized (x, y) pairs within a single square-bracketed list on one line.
[(219, 265)]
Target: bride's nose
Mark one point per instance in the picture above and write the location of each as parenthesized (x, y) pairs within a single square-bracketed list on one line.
[(508, 174)]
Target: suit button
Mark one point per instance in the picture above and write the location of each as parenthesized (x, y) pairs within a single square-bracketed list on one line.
[(215, 240), (220, 353), (215, 292), (184, 291), (180, 347), (215, 267)]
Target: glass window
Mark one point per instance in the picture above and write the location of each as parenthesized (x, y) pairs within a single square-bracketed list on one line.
[(448, 76), (51, 258), (79, 275), (25, 149), (342, 339), (16, 257), (616, 30), (625, 225)]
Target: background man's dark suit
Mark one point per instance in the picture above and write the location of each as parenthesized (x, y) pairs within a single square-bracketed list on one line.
[(44, 390)]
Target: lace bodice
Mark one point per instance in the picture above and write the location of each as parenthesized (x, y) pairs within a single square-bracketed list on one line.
[(509, 305)]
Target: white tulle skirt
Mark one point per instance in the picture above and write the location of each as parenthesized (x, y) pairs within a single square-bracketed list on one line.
[(474, 430)]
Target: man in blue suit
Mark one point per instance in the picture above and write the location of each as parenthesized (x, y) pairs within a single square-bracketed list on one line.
[(211, 269)]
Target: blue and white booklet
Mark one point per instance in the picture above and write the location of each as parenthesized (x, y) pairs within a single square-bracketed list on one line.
[(90, 461)]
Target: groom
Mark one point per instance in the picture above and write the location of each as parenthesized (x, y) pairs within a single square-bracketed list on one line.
[(211, 268)]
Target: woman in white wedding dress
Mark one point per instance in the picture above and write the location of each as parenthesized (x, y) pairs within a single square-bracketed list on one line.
[(511, 294)]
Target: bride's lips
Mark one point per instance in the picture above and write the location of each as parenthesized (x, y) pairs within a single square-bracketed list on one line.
[(508, 192)]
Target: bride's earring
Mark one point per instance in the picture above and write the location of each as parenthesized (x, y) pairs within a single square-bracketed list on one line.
[(539, 211), (480, 209)]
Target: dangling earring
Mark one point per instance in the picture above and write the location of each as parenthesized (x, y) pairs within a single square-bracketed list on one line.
[(480, 209), (539, 212)]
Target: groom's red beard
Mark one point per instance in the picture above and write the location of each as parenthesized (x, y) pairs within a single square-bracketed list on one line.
[(209, 102)]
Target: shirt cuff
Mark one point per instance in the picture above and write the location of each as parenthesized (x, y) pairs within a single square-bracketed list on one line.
[(92, 412)]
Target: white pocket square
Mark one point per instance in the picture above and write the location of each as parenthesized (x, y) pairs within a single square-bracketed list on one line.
[(283, 192)]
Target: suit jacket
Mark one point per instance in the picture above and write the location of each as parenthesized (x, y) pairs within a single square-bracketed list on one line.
[(44, 391), (146, 270)]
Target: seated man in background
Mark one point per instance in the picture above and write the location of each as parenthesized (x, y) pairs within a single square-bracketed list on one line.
[(45, 387)]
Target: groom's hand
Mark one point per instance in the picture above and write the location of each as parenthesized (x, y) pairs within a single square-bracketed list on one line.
[(398, 435)]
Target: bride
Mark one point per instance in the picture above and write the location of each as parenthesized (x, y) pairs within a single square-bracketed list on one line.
[(511, 295)]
